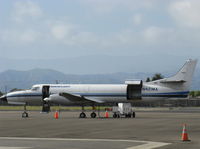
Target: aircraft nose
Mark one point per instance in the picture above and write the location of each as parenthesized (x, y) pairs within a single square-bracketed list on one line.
[(3, 98)]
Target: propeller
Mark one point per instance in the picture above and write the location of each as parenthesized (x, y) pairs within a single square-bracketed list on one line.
[(3, 98)]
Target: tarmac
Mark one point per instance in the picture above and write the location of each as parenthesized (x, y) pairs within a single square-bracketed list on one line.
[(150, 129)]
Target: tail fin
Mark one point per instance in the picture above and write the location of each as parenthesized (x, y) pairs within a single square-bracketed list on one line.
[(184, 75)]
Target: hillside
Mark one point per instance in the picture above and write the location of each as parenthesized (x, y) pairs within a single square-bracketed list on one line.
[(25, 79)]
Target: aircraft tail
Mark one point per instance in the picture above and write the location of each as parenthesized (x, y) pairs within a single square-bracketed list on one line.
[(182, 77)]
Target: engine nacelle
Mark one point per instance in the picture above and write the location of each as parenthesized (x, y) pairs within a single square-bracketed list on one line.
[(57, 99)]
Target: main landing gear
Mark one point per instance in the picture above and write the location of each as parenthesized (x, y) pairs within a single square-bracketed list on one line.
[(83, 115), (93, 114), (24, 114)]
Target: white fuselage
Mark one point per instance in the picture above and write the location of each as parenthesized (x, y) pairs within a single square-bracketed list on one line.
[(108, 93)]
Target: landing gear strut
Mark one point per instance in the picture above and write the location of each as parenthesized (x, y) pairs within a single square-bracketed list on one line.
[(82, 114), (24, 114)]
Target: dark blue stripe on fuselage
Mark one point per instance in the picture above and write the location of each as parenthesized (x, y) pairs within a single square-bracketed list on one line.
[(25, 95), (167, 95)]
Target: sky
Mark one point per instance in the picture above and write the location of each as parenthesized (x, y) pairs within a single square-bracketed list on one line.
[(48, 29)]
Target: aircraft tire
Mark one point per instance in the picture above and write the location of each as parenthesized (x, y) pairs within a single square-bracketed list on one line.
[(93, 115), (114, 115), (82, 115), (24, 115)]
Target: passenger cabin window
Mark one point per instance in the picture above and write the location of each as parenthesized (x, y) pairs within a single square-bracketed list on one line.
[(35, 88)]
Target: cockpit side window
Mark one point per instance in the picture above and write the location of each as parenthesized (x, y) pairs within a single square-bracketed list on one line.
[(35, 88)]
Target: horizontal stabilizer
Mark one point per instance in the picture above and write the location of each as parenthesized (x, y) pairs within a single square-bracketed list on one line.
[(173, 81)]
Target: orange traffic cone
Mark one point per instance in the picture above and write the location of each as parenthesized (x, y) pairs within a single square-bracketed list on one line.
[(56, 115), (106, 114), (184, 134)]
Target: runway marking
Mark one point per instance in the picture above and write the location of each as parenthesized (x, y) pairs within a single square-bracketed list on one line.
[(149, 145), (146, 145)]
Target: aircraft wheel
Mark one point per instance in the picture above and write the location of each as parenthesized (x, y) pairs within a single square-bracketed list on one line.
[(24, 115), (128, 115), (114, 115), (82, 115), (93, 115), (133, 115)]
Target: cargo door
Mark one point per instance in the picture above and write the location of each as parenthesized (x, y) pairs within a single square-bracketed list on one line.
[(134, 90)]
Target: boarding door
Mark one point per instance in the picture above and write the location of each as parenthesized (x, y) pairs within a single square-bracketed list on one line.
[(45, 91), (45, 94)]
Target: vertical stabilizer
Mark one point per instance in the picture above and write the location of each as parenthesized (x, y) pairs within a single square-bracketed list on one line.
[(184, 75)]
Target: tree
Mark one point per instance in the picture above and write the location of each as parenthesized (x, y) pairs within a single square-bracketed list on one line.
[(148, 79), (157, 76), (1, 93), (197, 93), (192, 93)]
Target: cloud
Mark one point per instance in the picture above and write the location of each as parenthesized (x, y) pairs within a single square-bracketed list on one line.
[(150, 36), (137, 19), (19, 37), (26, 9), (108, 6), (186, 12), (158, 35), (61, 31), (85, 38), (66, 33), (32, 27)]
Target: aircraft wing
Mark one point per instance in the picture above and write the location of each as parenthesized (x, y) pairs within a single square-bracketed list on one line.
[(79, 98)]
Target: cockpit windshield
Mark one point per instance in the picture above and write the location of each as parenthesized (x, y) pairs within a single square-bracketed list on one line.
[(36, 88)]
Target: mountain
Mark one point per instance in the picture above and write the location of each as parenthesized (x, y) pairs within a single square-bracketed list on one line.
[(99, 64), (25, 79)]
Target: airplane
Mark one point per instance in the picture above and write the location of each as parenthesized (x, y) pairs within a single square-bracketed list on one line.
[(176, 86)]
